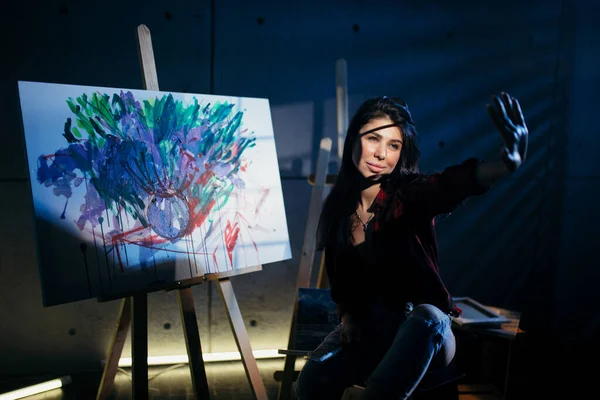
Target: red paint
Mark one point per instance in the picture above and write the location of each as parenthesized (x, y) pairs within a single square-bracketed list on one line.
[(138, 237), (197, 219), (231, 235), (214, 256), (240, 216), (117, 238), (203, 179)]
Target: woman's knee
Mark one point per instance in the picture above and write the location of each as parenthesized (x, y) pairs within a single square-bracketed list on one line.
[(441, 324), (429, 312)]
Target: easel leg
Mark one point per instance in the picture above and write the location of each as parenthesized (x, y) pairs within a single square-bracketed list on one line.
[(322, 281), (115, 350), (192, 342), (306, 261), (241, 338), (289, 367), (139, 348)]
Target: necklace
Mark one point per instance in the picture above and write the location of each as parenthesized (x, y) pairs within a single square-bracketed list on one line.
[(364, 224)]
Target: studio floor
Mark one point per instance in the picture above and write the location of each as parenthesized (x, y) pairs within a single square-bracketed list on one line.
[(227, 380)]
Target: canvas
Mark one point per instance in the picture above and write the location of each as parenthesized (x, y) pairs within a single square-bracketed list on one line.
[(138, 190)]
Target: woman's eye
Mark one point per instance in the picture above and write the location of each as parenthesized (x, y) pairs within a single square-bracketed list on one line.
[(373, 138), (394, 146)]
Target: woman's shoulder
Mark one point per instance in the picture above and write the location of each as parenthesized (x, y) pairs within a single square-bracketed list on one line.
[(398, 186), (391, 201), (394, 190)]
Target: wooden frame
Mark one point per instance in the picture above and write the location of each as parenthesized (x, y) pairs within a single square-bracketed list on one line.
[(486, 316), (306, 263), (134, 309)]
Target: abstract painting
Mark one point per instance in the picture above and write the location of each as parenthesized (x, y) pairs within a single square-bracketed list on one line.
[(135, 190)]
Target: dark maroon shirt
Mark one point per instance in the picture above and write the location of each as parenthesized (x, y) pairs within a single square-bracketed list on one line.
[(398, 262)]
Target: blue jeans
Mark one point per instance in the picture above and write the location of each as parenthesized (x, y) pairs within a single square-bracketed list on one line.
[(390, 360)]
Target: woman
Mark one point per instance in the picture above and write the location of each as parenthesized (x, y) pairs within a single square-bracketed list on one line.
[(377, 230)]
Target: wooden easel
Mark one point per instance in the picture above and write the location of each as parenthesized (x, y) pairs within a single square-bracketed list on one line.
[(134, 309), (319, 180), (306, 262)]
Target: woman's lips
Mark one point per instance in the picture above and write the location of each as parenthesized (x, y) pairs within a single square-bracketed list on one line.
[(375, 167)]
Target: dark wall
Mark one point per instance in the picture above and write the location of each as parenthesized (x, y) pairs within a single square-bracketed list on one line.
[(525, 245)]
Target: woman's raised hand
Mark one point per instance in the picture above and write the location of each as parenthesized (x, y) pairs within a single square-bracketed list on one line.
[(506, 113)]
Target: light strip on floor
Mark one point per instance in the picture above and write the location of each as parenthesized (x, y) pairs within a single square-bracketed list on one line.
[(208, 357), (36, 389)]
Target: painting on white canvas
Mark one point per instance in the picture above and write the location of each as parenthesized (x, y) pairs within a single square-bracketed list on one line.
[(135, 190)]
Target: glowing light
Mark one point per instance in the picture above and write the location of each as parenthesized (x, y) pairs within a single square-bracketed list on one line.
[(208, 357), (36, 389)]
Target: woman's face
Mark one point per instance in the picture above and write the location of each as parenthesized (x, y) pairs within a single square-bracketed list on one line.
[(378, 152)]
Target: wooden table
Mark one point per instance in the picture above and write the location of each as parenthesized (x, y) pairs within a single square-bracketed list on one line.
[(509, 331)]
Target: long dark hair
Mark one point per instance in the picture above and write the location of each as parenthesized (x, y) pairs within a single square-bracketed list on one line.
[(334, 224)]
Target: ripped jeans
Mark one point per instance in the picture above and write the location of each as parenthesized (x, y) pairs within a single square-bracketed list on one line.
[(390, 360)]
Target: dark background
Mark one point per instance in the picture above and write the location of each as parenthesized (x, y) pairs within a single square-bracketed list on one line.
[(530, 244)]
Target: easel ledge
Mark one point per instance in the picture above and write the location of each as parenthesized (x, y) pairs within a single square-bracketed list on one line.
[(185, 283), (134, 308)]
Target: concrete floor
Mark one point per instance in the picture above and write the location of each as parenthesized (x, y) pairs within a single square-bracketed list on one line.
[(227, 380)]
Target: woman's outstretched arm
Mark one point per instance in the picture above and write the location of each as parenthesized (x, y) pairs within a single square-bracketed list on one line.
[(442, 192), (488, 172)]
